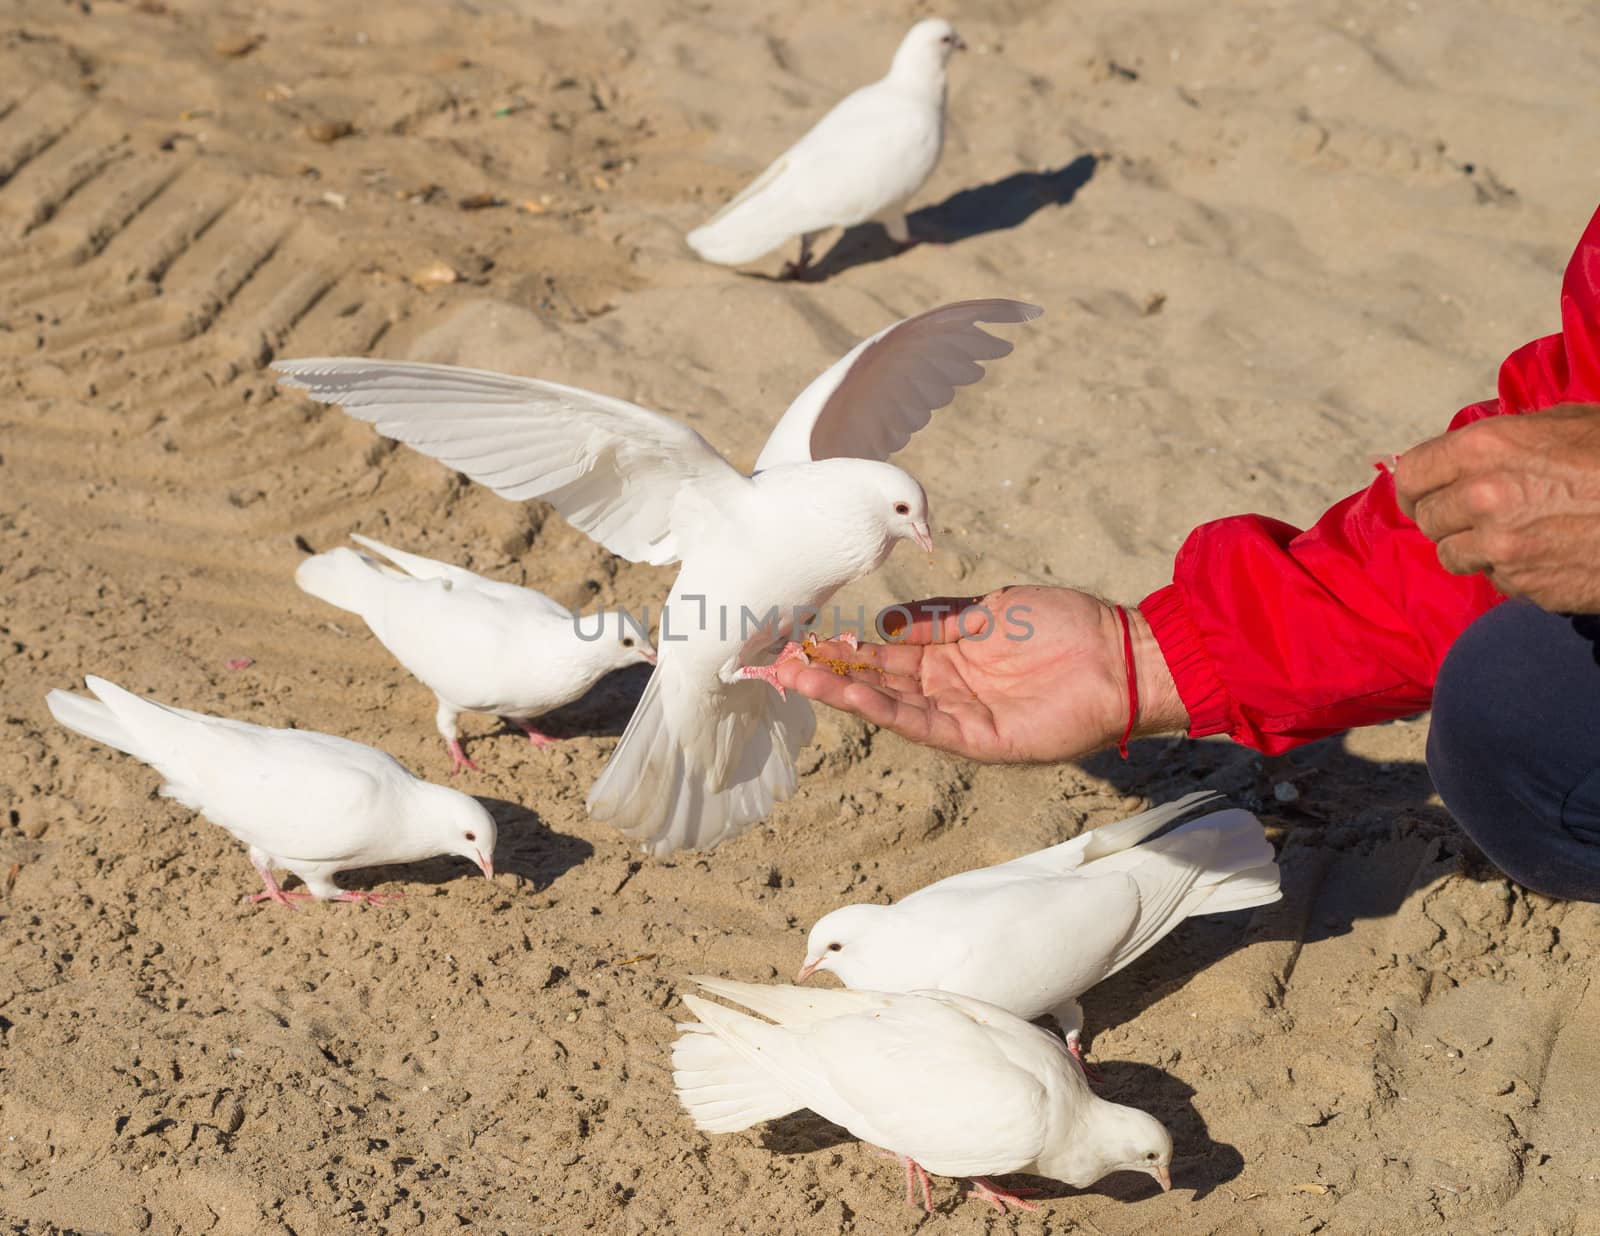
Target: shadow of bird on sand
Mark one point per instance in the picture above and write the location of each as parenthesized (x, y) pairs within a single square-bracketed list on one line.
[(995, 207), (526, 848)]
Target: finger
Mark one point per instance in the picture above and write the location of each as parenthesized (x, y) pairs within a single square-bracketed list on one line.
[(934, 620), (1444, 512), (1463, 554), (1444, 460), (902, 659), (865, 662)]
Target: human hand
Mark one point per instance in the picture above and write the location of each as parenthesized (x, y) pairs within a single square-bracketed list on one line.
[(1029, 675), (1516, 498)]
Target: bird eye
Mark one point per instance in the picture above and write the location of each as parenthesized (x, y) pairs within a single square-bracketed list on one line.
[(901, 508), (628, 642), (1151, 1156), (834, 948), (472, 836)]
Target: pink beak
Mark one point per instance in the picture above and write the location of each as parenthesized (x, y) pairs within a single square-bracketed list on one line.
[(487, 864), (649, 657), (807, 970), (923, 536), (1163, 1178)]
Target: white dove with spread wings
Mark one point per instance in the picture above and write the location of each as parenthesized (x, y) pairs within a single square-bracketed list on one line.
[(707, 752)]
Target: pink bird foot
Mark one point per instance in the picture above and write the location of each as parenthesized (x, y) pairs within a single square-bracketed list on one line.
[(458, 757), (273, 892), (769, 673), (915, 1174), (1089, 1071), (985, 1190), (369, 899), (534, 736)]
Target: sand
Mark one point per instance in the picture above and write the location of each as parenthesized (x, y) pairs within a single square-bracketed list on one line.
[(1272, 241)]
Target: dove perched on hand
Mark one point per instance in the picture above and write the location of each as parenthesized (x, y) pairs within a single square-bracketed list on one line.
[(707, 752), (948, 1084), (481, 645), (1033, 934), (311, 803), (861, 162)]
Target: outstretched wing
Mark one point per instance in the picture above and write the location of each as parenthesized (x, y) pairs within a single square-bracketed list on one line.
[(625, 475), (867, 405)]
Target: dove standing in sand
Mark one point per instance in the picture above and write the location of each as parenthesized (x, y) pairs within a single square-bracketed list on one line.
[(311, 803), (948, 1084), (862, 161), (707, 752), (1033, 934), (481, 645)]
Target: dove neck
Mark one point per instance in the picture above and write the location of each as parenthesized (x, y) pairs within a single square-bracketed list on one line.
[(919, 68), (1103, 1137)]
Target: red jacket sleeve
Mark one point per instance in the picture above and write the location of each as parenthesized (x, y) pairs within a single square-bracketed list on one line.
[(1278, 636)]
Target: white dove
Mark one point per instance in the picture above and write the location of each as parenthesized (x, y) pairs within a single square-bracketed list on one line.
[(311, 803), (861, 162), (707, 753), (480, 644), (1034, 934), (948, 1084)]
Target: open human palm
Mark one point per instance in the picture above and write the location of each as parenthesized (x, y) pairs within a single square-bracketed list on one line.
[(1022, 675)]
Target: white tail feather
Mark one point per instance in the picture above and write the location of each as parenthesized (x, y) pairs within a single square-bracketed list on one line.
[(343, 578), (721, 1090), (659, 794)]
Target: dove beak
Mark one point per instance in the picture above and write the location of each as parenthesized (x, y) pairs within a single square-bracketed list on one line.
[(807, 970), (923, 536), (487, 864), (648, 655), (1163, 1178), (957, 43)]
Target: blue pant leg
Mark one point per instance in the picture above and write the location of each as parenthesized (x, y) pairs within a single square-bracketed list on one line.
[(1514, 748)]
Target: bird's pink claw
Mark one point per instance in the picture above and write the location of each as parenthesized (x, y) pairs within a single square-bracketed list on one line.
[(1089, 1071), (273, 892), (986, 1190), (458, 758), (369, 899), (767, 674), (915, 1174), (534, 736)]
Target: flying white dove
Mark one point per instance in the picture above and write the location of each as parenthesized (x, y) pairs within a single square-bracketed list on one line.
[(481, 645), (947, 1084), (707, 752), (861, 162), (1033, 934), (311, 803)]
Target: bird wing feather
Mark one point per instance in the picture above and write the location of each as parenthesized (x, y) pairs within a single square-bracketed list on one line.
[(614, 470), (869, 403)]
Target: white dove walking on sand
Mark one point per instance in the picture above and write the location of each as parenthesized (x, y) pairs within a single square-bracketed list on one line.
[(480, 644), (948, 1084), (861, 162), (311, 803), (1033, 934), (707, 752)]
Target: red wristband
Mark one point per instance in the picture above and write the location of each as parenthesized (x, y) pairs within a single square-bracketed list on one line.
[(1133, 681)]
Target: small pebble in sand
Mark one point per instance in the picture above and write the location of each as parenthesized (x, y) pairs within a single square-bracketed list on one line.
[(326, 131)]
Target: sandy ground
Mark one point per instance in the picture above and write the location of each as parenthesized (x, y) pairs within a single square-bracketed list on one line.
[(1272, 239)]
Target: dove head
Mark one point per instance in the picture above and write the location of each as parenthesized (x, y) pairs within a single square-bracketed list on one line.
[(890, 500), (861, 945), (1112, 1138), (925, 49), (457, 823), (630, 646)]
